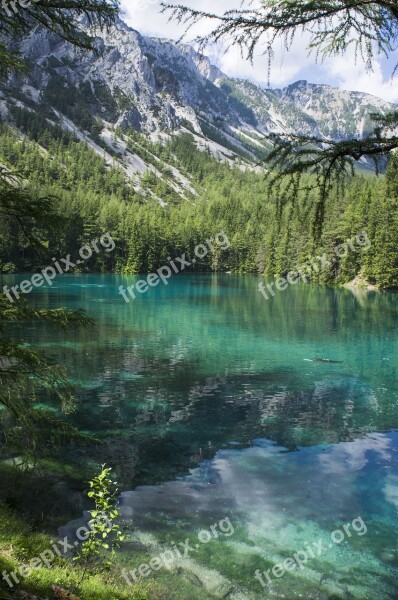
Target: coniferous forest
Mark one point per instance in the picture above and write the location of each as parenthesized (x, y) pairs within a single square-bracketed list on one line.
[(94, 196)]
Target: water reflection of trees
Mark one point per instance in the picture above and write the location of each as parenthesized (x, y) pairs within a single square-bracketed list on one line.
[(164, 436), (169, 380)]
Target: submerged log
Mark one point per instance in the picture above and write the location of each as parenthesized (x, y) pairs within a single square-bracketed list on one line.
[(329, 360)]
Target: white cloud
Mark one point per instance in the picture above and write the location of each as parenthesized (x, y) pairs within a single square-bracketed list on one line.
[(145, 16), (287, 67), (351, 76)]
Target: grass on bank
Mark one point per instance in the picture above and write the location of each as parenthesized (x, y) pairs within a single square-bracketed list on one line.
[(19, 543)]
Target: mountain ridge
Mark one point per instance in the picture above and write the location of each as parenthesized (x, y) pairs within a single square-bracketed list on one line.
[(160, 88)]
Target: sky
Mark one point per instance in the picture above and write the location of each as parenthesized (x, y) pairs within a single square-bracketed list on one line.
[(340, 71)]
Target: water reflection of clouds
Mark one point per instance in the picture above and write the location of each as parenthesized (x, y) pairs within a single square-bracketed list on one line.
[(266, 482), (349, 457), (283, 500), (391, 489)]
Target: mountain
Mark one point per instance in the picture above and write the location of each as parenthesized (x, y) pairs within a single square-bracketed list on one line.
[(147, 140), (160, 88)]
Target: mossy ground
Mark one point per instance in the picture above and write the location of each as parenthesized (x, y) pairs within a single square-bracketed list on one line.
[(19, 543), (32, 506)]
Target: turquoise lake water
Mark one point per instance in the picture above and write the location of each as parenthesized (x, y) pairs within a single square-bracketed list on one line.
[(214, 403)]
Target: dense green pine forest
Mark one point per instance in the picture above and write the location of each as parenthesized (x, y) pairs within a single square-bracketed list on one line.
[(96, 197)]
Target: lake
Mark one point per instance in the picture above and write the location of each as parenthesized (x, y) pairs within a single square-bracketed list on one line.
[(216, 404)]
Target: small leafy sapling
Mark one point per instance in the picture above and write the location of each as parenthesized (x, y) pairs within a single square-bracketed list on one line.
[(105, 533)]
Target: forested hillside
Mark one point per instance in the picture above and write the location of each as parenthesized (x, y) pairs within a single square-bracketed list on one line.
[(95, 196), (149, 141)]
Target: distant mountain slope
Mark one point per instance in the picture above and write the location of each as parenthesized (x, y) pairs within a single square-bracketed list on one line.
[(158, 87)]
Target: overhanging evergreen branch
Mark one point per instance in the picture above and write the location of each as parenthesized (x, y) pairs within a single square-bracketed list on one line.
[(17, 203), (306, 164), (333, 25), (59, 17)]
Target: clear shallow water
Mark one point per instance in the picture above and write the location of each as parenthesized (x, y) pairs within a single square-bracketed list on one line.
[(210, 406)]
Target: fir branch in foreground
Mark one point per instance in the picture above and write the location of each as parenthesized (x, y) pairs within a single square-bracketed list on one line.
[(304, 164), (57, 16), (333, 26), (26, 374)]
